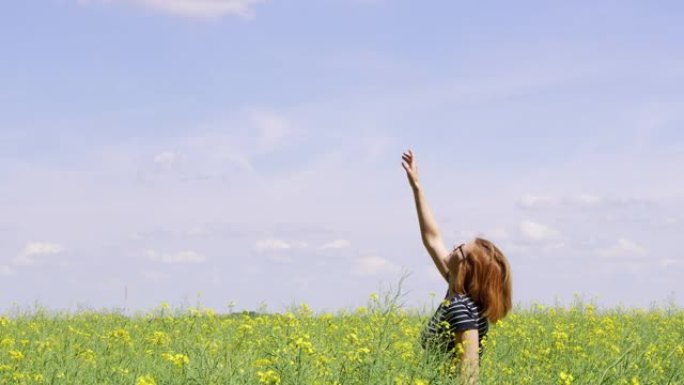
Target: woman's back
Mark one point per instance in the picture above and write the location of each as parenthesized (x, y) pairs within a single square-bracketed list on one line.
[(456, 313)]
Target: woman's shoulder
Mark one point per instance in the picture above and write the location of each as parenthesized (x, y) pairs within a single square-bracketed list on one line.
[(465, 302), (461, 298)]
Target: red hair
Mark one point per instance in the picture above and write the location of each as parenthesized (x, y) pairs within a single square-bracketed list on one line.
[(485, 276)]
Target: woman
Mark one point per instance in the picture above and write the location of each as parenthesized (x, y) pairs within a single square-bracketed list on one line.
[(479, 288)]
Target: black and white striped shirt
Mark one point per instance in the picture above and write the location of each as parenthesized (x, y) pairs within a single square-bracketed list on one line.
[(454, 314)]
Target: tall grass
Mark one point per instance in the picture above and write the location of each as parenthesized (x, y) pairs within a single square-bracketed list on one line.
[(374, 344)]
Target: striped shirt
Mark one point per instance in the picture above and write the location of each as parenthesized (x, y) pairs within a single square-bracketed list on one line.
[(454, 314)]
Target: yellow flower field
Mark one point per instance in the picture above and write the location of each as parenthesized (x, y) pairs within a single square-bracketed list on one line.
[(375, 344)]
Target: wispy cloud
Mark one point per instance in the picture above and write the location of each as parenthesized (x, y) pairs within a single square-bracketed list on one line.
[(623, 248), (240, 145), (271, 244), (577, 201), (32, 250), (277, 250), (671, 262), (6, 270), (537, 232), (201, 9), (271, 128), (531, 201), (336, 244), (187, 256), (497, 233), (373, 265), (167, 160)]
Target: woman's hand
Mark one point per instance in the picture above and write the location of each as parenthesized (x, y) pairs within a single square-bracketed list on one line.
[(409, 164)]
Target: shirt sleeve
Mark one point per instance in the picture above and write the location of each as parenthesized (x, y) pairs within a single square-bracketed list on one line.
[(459, 317)]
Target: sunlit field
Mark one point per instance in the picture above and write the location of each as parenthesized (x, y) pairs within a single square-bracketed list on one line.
[(374, 344)]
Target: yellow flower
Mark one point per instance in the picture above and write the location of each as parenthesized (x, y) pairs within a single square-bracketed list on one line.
[(352, 338), (120, 370), (178, 359), (420, 382), (16, 355), (246, 328), (268, 377), (565, 378), (304, 344), (119, 335), (305, 311), (88, 356), (159, 338), (261, 362), (7, 342), (19, 376), (145, 380)]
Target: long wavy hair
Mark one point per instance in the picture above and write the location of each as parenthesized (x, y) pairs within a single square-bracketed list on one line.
[(485, 276)]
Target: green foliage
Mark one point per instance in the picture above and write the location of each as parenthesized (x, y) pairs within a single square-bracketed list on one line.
[(374, 344)]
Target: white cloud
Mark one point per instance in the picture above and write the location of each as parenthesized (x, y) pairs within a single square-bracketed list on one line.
[(588, 200), (274, 249), (271, 244), (167, 160), (580, 200), (39, 248), (31, 250), (372, 265), (623, 248), (6, 270), (264, 245), (466, 234), (671, 262), (272, 129), (203, 9), (187, 256), (282, 258), (498, 233), (536, 232), (530, 201), (196, 231), (336, 244)]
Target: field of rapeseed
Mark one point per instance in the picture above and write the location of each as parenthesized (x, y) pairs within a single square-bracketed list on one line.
[(375, 344)]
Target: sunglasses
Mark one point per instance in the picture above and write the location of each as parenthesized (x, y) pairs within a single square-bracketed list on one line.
[(460, 248)]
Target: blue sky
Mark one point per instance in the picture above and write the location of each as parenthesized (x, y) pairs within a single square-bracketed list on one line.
[(250, 150)]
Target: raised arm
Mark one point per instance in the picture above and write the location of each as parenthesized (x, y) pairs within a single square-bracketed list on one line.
[(429, 232)]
